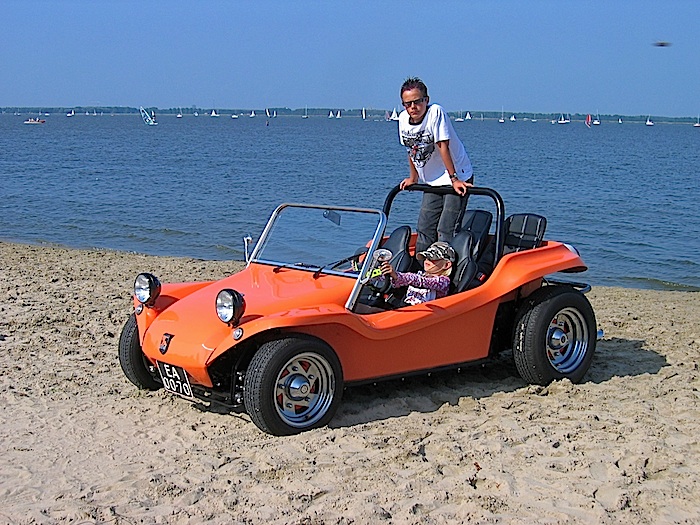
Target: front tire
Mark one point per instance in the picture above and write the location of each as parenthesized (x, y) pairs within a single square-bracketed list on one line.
[(292, 385), (555, 336), (134, 364)]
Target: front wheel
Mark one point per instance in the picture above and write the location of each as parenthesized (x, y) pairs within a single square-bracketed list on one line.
[(292, 385), (134, 364), (555, 336)]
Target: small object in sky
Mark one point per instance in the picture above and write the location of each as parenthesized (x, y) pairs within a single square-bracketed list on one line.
[(661, 43)]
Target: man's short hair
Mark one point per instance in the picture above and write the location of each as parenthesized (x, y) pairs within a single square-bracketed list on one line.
[(413, 83)]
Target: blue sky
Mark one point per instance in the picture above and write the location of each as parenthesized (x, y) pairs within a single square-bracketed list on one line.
[(539, 56)]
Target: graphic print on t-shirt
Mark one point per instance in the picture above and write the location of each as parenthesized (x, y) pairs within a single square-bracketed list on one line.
[(420, 145)]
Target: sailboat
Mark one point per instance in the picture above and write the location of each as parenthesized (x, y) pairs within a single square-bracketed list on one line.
[(619, 120), (364, 114), (534, 117), (274, 113), (512, 118), (267, 113), (649, 122), (179, 114), (468, 117), (71, 113), (394, 115), (306, 112), (37, 120), (588, 120), (252, 113), (233, 115), (214, 113), (459, 119), (149, 120), (596, 120), (563, 119), (338, 115), (501, 120), (697, 124), (330, 114)]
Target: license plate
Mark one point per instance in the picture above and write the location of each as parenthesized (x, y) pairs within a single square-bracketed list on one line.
[(175, 379)]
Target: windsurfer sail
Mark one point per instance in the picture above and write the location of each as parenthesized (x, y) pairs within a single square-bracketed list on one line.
[(588, 120), (148, 119)]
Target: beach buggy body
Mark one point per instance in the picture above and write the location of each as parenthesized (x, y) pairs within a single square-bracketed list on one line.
[(311, 313)]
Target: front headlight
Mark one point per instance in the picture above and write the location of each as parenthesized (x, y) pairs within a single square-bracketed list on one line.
[(146, 288), (230, 306)]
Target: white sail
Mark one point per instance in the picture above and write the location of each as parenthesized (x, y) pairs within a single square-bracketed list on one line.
[(330, 114), (338, 115), (214, 113), (150, 120), (394, 115), (468, 117), (267, 113), (364, 114), (252, 113)]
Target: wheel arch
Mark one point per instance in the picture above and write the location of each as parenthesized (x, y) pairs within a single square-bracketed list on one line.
[(235, 360)]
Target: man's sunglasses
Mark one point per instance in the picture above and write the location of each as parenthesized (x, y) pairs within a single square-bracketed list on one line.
[(410, 103)]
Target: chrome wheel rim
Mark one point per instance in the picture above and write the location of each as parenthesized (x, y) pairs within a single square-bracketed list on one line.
[(304, 390), (567, 340)]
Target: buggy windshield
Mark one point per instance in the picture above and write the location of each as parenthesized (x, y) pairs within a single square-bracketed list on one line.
[(319, 238)]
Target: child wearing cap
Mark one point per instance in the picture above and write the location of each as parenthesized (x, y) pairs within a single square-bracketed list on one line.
[(433, 282)]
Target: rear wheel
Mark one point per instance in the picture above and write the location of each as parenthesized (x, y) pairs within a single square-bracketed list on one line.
[(555, 336), (292, 385), (134, 364)]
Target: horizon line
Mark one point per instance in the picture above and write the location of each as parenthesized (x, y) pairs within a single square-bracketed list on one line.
[(286, 109)]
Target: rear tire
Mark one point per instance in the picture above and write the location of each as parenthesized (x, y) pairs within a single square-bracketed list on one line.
[(292, 385), (134, 364), (555, 336)]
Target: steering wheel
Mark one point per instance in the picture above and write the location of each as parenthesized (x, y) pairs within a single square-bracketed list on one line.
[(379, 283)]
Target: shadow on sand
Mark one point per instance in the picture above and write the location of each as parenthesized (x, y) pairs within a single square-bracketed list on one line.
[(372, 402)]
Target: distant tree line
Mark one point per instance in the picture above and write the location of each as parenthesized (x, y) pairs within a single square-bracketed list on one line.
[(372, 113)]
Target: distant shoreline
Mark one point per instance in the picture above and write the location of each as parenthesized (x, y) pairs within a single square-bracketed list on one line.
[(371, 113)]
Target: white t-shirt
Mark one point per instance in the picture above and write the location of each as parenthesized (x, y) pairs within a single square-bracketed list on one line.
[(420, 140)]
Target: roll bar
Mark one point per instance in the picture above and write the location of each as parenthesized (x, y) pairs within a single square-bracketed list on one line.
[(472, 190)]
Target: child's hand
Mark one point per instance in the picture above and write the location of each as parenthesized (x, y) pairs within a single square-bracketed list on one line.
[(387, 269)]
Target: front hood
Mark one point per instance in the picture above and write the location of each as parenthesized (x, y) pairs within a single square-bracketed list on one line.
[(189, 329)]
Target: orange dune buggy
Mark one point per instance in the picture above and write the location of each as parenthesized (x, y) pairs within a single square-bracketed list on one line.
[(311, 313)]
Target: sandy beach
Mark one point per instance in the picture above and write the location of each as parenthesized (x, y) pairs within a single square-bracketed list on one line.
[(80, 444)]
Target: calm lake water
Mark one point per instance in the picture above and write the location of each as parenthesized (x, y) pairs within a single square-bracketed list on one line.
[(625, 195)]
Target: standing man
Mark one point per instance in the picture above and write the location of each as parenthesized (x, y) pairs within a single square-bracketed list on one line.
[(436, 156)]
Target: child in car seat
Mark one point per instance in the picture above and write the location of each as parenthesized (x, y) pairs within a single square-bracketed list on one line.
[(433, 282)]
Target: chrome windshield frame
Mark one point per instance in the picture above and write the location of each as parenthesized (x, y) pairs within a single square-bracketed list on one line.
[(376, 241)]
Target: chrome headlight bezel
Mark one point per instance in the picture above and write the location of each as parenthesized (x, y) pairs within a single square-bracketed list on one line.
[(146, 289), (230, 306)]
